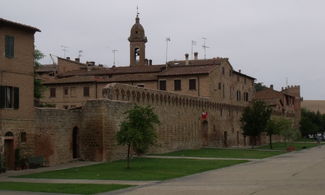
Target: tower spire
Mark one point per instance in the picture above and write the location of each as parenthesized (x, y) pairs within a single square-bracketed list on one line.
[(137, 19)]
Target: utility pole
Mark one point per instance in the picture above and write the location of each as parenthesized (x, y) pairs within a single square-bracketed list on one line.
[(167, 40), (114, 51)]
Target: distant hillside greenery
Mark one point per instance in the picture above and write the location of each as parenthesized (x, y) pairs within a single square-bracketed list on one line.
[(311, 123)]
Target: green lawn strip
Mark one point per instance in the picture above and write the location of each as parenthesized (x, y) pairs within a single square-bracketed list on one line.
[(224, 153), (142, 169), (283, 146), (60, 187)]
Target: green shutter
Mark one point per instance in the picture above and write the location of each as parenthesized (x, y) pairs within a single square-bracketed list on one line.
[(9, 46), (16, 97), (2, 96)]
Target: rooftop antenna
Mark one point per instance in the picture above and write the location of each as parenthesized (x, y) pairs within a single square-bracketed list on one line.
[(114, 51), (167, 40), (192, 44), (80, 53), (287, 83), (64, 49), (53, 61), (205, 47)]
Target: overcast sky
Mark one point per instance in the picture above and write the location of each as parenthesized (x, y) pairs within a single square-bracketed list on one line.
[(272, 40)]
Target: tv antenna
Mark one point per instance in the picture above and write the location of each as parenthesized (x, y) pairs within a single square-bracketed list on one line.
[(192, 45), (114, 51), (205, 47), (64, 49), (80, 53), (167, 40)]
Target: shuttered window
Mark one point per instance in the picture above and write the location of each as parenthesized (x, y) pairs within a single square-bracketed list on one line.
[(9, 46), (162, 85), (192, 84), (9, 97), (177, 85)]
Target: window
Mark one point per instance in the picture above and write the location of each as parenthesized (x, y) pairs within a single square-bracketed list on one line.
[(52, 92), (23, 137), (192, 84), (245, 80), (238, 95), (162, 85), (9, 97), (140, 85), (246, 99), (219, 86), (86, 91), (65, 91), (223, 90), (177, 85), (9, 46), (223, 70), (65, 106)]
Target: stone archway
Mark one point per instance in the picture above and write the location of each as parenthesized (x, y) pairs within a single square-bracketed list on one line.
[(75, 143), (205, 131), (9, 153)]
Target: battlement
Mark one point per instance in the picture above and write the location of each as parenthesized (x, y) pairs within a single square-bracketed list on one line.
[(123, 92)]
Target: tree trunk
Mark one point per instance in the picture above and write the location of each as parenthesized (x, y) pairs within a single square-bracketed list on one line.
[(270, 137), (128, 160)]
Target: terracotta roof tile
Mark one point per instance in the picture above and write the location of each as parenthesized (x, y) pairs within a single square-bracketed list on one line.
[(47, 68), (187, 70), (19, 25)]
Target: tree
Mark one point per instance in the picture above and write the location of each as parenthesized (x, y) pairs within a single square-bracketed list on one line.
[(280, 126), (287, 131), (254, 119), (137, 130), (38, 87), (259, 86)]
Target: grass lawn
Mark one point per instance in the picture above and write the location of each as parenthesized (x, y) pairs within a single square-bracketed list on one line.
[(225, 153), (141, 169), (283, 146), (60, 188)]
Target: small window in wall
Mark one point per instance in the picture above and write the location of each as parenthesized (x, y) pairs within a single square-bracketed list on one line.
[(238, 95), (140, 85), (52, 92), (65, 106), (223, 91), (162, 85), (192, 84), (23, 137), (177, 85), (223, 70), (9, 97), (65, 91), (219, 86), (9, 46), (86, 91)]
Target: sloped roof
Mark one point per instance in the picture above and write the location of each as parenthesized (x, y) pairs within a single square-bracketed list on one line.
[(116, 70), (187, 70), (18, 25), (47, 68)]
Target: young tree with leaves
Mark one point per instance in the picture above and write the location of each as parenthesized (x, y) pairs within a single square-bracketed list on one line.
[(38, 55), (254, 119), (137, 130)]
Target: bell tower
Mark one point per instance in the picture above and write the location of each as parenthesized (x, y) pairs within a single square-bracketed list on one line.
[(137, 44)]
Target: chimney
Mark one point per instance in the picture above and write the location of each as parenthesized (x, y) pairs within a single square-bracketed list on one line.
[(239, 70), (186, 59), (68, 58), (77, 59), (196, 55), (271, 86), (90, 63)]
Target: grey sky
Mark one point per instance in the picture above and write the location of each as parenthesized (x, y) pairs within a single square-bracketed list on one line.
[(270, 40)]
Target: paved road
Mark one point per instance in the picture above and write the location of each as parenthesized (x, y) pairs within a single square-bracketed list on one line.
[(297, 173)]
